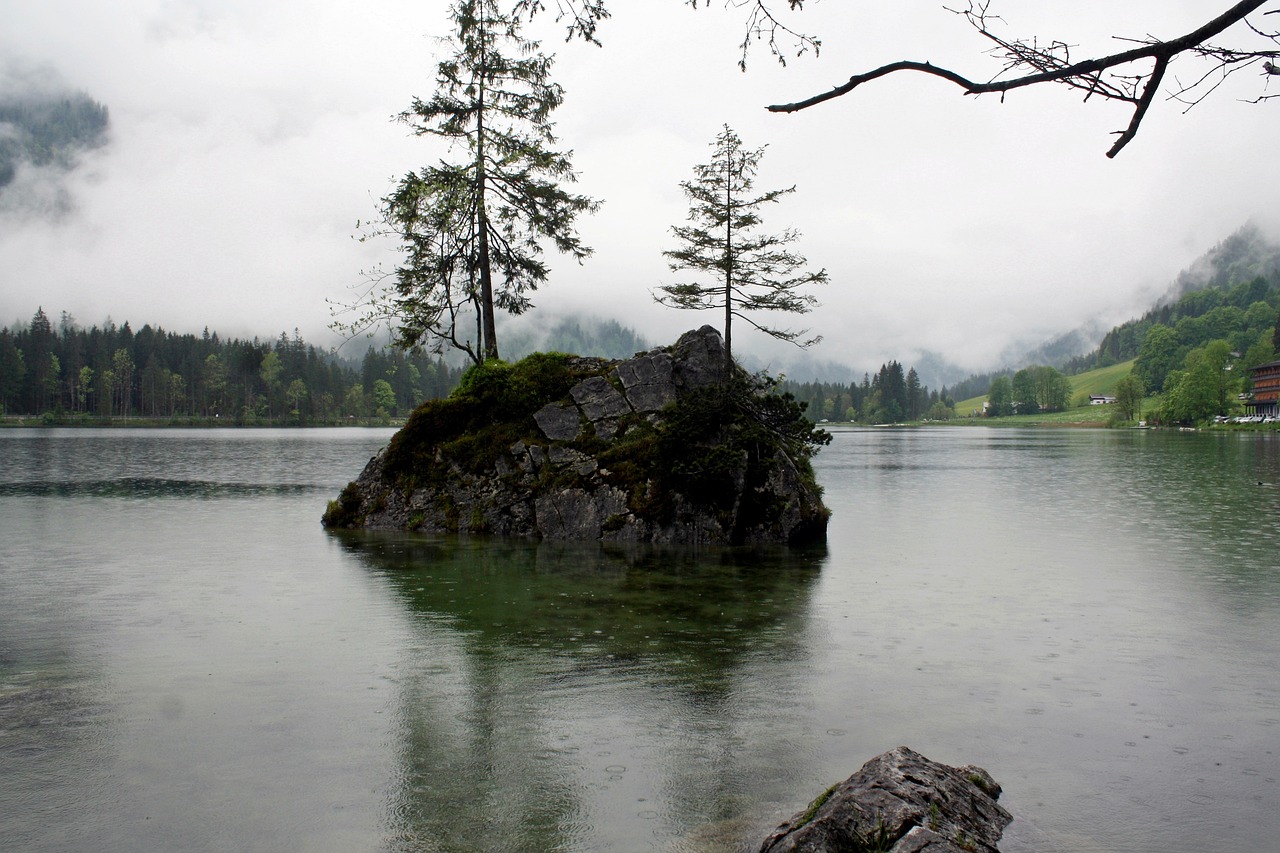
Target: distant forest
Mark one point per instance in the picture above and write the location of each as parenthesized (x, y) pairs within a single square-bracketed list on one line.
[(888, 397), (69, 372), (48, 131), (64, 371), (577, 336)]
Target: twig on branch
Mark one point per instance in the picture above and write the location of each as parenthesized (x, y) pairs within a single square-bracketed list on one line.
[(583, 16), (764, 25)]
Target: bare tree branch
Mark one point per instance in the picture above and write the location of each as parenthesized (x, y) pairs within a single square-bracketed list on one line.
[(583, 16), (1148, 93), (1099, 76), (763, 25), (1113, 77)]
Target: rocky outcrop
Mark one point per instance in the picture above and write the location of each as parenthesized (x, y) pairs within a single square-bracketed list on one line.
[(671, 446), (900, 802)]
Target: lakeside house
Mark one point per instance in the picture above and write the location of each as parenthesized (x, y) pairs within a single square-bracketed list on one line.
[(1264, 398)]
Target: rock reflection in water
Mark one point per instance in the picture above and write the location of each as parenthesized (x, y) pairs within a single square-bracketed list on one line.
[(566, 697)]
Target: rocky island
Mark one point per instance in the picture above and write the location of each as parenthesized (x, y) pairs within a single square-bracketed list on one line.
[(673, 446)]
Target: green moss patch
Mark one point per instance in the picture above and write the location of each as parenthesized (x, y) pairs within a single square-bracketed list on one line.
[(490, 410), (345, 511)]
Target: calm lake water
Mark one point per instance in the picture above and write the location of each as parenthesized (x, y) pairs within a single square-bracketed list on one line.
[(188, 662)]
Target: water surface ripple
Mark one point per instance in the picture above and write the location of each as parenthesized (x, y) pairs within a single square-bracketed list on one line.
[(189, 662)]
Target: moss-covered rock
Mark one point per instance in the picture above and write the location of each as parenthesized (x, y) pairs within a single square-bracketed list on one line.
[(899, 802), (673, 445)]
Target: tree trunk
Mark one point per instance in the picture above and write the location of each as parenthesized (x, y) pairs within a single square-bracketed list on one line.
[(489, 330), (728, 263), (489, 346)]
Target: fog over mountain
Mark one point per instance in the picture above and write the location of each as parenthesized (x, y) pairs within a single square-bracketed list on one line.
[(45, 129)]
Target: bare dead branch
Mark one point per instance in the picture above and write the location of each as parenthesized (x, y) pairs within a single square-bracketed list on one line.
[(1052, 63), (1148, 94)]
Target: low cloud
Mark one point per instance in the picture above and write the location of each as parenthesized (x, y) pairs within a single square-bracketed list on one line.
[(248, 138)]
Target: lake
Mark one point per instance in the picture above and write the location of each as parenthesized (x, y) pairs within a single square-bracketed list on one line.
[(188, 661)]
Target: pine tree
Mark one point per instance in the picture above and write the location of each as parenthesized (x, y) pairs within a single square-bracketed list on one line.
[(472, 229), (915, 394), (743, 271)]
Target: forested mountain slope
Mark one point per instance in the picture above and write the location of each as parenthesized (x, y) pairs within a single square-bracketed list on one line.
[(1231, 292), (44, 130)]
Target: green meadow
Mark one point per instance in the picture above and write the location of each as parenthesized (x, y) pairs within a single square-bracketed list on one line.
[(1102, 380)]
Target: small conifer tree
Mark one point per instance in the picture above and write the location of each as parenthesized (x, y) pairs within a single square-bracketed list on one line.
[(738, 269)]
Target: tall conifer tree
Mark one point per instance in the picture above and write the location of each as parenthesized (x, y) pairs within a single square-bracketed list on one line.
[(472, 228)]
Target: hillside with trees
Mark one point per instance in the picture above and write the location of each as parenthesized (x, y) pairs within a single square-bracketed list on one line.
[(1229, 297), (577, 335), (47, 131), (1195, 350), (1197, 346), (1231, 292)]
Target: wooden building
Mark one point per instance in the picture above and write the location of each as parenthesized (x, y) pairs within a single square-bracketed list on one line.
[(1264, 399)]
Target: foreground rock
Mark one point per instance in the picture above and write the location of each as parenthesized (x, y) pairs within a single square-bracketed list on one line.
[(899, 802), (671, 446)]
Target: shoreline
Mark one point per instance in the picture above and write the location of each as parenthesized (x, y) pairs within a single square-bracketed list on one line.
[(42, 422)]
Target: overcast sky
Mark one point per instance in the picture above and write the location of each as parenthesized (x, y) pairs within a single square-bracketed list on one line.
[(248, 137)]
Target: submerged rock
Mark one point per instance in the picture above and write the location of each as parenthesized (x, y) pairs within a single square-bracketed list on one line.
[(899, 802), (671, 446)]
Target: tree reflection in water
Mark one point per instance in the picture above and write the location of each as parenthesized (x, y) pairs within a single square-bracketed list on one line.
[(577, 696)]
